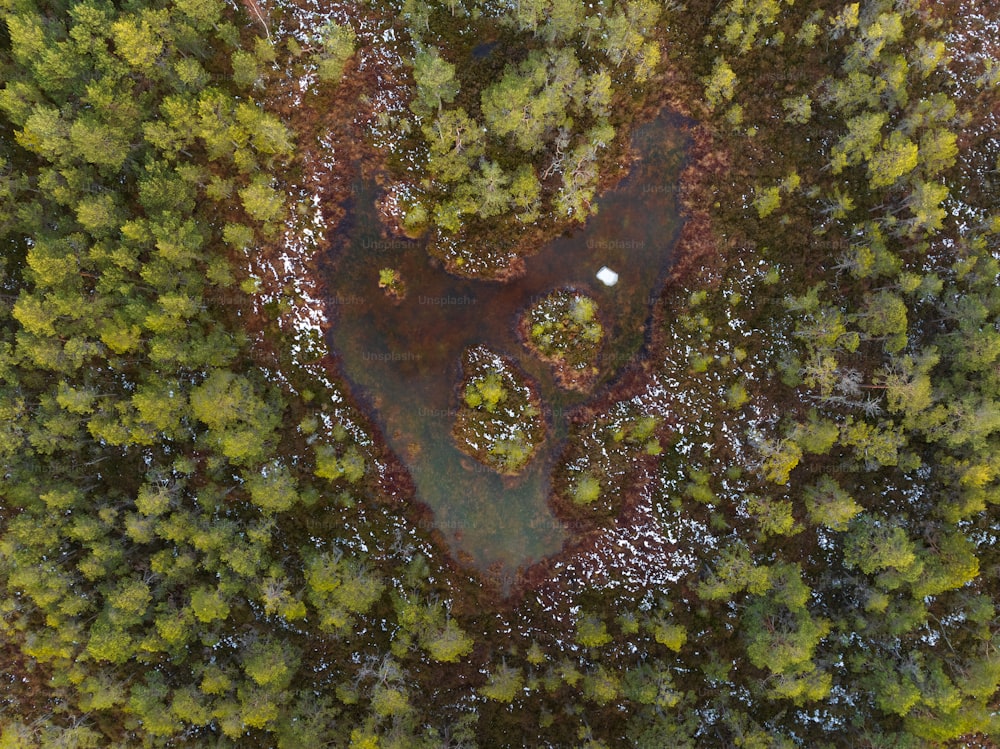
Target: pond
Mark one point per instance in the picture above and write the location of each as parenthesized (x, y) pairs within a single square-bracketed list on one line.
[(402, 357)]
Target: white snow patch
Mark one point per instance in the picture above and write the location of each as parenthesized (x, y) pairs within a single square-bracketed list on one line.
[(607, 276)]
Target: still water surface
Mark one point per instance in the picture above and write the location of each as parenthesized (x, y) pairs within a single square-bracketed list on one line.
[(403, 357)]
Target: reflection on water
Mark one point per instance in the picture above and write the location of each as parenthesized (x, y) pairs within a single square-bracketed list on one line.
[(404, 356)]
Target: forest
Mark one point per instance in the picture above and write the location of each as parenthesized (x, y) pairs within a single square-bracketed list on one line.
[(780, 516)]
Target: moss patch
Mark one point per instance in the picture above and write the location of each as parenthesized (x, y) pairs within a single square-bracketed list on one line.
[(499, 418), (564, 329)]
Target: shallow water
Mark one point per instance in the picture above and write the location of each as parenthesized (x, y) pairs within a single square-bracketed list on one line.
[(403, 357)]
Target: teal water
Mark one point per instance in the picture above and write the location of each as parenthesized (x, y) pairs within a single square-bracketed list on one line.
[(403, 358)]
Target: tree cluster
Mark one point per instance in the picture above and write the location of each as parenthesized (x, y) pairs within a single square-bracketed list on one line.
[(523, 141)]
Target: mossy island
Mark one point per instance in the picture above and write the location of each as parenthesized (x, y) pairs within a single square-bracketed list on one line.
[(391, 282), (564, 330), (499, 419)]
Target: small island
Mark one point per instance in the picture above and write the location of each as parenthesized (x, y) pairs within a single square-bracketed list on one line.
[(391, 282), (564, 330), (499, 420)]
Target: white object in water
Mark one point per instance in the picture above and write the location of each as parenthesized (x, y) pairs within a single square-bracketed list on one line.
[(607, 276)]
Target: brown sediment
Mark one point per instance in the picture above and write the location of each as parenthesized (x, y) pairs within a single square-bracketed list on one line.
[(396, 292), (509, 272), (699, 250)]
